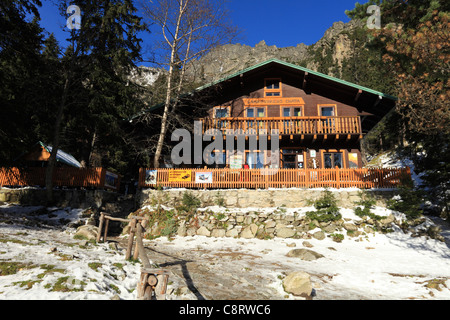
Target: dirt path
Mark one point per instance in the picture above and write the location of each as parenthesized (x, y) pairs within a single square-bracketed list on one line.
[(213, 275)]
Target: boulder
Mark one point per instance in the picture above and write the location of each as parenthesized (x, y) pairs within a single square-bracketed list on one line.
[(182, 230), (218, 233), (203, 231), (87, 232), (249, 232), (350, 227), (285, 233), (319, 235), (298, 284), (304, 254), (233, 233)]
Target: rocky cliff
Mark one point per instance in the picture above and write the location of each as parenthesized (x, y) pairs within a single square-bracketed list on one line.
[(327, 56), (334, 46)]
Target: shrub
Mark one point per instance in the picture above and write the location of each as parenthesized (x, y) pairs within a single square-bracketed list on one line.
[(326, 208), (410, 203), (189, 202), (368, 203)]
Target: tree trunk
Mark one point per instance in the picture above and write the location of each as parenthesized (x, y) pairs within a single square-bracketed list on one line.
[(173, 61), (55, 147)]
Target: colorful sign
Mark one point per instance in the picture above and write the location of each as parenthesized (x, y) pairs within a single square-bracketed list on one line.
[(150, 176), (203, 177), (236, 162), (180, 176), (111, 180)]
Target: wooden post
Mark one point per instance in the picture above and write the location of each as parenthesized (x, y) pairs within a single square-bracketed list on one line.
[(130, 239), (102, 218), (338, 178), (106, 230)]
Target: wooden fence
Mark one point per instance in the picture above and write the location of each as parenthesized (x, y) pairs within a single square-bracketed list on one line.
[(62, 177), (365, 178)]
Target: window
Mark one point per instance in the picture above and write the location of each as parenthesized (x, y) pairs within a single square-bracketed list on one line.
[(221, 112), (254, 160), (327, 125), (217, 159), (286, 112), (250, 113), (353, 160), (327, 111), (272, 88), (332, 160), (297, 112), (260, 112), (272, 84)]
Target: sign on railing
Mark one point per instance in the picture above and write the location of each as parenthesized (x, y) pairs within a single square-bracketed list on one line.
[(364, 178)]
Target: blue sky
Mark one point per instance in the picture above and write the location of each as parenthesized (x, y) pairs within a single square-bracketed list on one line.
[(281, 23)]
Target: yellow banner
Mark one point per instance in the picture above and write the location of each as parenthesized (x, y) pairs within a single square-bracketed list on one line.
[(180, 176), (274, 101)]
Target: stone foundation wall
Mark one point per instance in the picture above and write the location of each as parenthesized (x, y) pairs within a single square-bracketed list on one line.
[(82, 199), (244, 198)]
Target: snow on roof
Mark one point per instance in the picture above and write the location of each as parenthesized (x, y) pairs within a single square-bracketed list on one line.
[(63, 157)]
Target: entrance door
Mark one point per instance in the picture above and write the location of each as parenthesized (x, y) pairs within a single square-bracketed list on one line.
[(293, 159)]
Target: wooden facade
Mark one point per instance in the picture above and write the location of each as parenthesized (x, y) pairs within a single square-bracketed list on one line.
[(320, 120), (316, 121)]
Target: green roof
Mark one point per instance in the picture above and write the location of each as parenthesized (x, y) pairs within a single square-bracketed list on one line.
[(290, 65)]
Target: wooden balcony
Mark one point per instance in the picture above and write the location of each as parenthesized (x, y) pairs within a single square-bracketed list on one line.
[(288, 126)]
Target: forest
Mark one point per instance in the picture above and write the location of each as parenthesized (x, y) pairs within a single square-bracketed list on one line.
[(78, 98)]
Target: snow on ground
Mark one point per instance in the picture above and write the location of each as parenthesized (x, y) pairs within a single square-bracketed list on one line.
[(381, 266), (84, 271)]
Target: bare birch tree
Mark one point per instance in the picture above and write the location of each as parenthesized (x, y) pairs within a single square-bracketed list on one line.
[(188, 29)]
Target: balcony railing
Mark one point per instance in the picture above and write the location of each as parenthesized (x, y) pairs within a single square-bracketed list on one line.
[(287, 126)]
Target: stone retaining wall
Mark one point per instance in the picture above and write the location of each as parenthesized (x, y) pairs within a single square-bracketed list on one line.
[(82, 199), (244, 198)]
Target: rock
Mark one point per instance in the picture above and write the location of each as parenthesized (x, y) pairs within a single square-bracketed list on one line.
[(285, 233), (291, 245), (319, 235), (298, 284), (239, 219), (330, 228), (388, 220), (182, 230), (249, 232), (307, 244), (270, 224), (203, 231), (233, 233), (304, 254), (87, 232), (192, 231), (350, 227), (218, 233)]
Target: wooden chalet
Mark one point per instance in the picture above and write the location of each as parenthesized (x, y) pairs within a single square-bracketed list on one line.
[(320, 120)]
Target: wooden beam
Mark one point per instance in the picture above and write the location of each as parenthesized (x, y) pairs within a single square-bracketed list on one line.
[(304, 81), (357, 95), (378, 101)]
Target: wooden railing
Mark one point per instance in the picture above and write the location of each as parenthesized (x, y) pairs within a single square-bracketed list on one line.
[(287, 126), (62, 177), (365, 178)]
